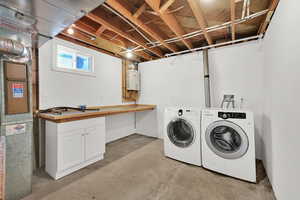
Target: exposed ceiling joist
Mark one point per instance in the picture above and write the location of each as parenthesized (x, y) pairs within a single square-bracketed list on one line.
[(170, 20), (200, 19), (166, 5), (232, 6), (153, 33), (120, 43), (91, 31), (100, 30), (140, 11), (156, 4), (114, 28), (266, 21), (84, 41)]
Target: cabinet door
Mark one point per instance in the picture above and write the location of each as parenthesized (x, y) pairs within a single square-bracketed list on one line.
[(70, 149), (94, 142)]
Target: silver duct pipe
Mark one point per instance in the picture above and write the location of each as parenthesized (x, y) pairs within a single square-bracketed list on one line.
[(12, 47), (206, 79)]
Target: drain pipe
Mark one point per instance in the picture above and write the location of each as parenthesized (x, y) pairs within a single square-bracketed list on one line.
[(206, 79)]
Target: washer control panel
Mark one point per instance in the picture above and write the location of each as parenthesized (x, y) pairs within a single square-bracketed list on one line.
[(231, 115), (183, 111)]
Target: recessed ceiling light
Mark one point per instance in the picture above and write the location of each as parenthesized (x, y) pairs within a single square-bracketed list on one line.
[(70, 31)]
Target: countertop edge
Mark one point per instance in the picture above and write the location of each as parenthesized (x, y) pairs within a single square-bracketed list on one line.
[(82, 116)]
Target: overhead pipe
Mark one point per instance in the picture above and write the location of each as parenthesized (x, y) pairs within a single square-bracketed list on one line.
[(210, 29), (215, 45), (206, 79), (200, 32)]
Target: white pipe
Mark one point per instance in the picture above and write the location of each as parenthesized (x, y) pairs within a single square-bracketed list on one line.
[(208, 29), (214, 45), (212, 28)]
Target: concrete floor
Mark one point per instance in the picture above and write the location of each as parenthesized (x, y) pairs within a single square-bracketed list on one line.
[(135, 168)]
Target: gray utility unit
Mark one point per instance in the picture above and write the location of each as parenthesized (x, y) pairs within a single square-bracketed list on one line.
[(16, 111), (25, 24)]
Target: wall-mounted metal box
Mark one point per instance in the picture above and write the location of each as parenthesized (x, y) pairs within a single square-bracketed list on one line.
[(16, 88)]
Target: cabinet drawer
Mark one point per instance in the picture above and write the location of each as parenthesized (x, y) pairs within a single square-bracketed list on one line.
[(80, 124)]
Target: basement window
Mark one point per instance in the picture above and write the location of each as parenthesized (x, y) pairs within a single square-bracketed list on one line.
[(72, 60)]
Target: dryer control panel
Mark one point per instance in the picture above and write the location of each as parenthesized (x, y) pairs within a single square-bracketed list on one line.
[(232, 115)]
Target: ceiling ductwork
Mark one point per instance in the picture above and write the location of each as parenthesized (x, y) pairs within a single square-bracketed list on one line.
[(45, 17), (11, 47)]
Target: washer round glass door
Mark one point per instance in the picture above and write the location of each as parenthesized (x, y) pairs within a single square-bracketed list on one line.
[(180, 132), (226, 139)]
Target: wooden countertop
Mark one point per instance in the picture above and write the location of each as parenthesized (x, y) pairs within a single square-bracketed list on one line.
[(104, 111)]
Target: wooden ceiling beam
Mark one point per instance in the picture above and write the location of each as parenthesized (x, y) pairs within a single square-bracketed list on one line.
[(79, 40), (155, 34), (166, 5), (91, 31), (103, 21), (266, 21), (195, 6), (120, 42), (140, 11), (156, 4), (83, 41), (170, 20), (232, 6), (100, 30)]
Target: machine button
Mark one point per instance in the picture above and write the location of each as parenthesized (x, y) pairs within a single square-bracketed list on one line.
[(180, 112), (224, 116)]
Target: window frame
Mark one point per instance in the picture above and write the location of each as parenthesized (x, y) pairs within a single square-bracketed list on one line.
[(76, 53)]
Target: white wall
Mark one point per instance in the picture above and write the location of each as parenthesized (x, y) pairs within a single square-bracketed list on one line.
[(282, 86), (178, 81), (175, 81), (67, 89), (238, 70)]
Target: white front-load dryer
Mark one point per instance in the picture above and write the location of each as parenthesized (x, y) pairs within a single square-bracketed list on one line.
[(228, 144), (182, 134)]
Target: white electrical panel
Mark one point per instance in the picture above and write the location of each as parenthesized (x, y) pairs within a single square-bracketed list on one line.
[(133, 80)]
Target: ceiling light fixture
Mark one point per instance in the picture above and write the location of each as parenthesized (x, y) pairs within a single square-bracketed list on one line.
[(129, 53), (70, 31), (207, 1)]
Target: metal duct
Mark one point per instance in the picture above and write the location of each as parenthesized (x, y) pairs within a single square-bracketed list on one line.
[(11, 47), (206, 79), (46, 17)]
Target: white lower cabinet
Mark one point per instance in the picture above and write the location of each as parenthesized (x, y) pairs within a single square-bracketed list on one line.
[(73, 145)]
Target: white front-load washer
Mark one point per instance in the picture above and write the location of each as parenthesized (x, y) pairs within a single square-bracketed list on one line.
[(182, 134), (228, 144)]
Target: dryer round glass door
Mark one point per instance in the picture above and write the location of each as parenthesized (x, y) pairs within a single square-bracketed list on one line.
[(226, 139), (181, 132)]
